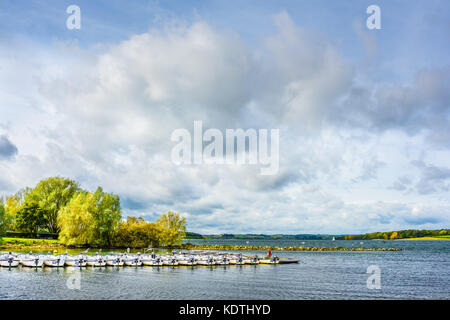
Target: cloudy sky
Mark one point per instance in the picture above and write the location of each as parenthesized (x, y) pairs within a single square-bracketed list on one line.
[(364, 115)]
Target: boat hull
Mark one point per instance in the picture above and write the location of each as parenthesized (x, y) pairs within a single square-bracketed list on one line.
[(32, 263), (267, 261), (96, 263), (75, 263), (114, 263), (9, 264), (54, 263), (133, 263)]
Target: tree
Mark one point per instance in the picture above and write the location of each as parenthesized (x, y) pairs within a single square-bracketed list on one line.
[(394, 235), (137, 233), (52, 195), (173, 228), (12, 206), (3, 220), (31, 217), (90, 219), (107, 216), (76, 221)]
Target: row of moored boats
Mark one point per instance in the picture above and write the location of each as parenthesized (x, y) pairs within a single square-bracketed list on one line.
[(133, 260)]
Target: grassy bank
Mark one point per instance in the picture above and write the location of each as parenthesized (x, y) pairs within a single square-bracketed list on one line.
[(20, 244), (429, 238)]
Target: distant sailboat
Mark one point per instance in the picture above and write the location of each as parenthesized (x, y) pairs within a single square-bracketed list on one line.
[(333, 239)]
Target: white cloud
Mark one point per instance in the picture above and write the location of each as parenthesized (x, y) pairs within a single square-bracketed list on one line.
[(106, 119)]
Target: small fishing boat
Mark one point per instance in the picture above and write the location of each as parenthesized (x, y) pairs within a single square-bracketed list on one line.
[(96, 261), (76, 261), (187, 262), (9, 261), (170, 261), (222, 261), (133, 261), (31, 261), (274, 260), (250, 261), (206, 261), (157, 262), (114, 261), (237, 260), (54, 261)]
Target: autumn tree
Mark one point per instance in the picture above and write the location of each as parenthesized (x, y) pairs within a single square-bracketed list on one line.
[(393, 236), (76, 221), (52, 195), (107, 216), (31, 218), (173, 228), (3, 221), (90, 219), (137, 233), (12, 206)]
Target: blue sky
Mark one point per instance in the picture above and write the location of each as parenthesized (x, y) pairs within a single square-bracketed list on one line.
[(363, 114)]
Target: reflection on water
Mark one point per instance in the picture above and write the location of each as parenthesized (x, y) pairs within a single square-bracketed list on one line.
[(420, 271)]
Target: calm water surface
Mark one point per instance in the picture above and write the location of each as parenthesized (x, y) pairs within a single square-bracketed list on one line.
[(420, 271)]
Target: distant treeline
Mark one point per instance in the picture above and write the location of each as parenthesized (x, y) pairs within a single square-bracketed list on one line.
[(193, 235), (401, 234)]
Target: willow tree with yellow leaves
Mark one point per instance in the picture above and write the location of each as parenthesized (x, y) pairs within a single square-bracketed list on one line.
[(90, 219), (172, 228)]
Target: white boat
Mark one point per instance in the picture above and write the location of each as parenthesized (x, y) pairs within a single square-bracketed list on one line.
[(222, 261), (114, 261), (76, 261), (250, 261), (31, 261), (273, 260), (170, 262), (54, 261), (133, 260), (206, 261), (9, 261), (96, 261), (187, 261), (237, 260), (157, 262)]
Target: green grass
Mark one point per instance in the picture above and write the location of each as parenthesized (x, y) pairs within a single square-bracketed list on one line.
[(28, 242)]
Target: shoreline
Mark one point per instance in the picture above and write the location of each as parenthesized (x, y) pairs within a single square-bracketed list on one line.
[(56, 246)]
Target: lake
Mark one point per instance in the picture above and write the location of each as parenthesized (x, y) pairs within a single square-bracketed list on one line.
[(420, 271)]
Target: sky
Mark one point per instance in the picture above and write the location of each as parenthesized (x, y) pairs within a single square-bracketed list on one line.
[(363, 115)]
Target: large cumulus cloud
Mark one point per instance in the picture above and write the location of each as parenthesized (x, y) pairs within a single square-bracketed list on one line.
[(107, 119)]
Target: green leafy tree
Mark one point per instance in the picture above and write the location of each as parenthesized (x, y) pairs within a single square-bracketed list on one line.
[(90, 219), (12, 206), (137, 233), (52, 195), (107, 216), (173, 228), (31, 218), (3, 220), (76, 220)]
